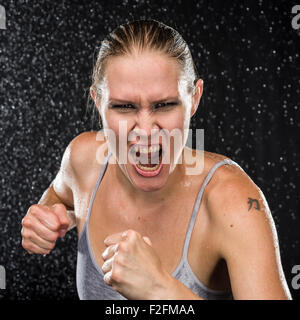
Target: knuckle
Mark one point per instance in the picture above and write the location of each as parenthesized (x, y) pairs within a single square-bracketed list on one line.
[(28, 235), (132, 234), (33, 207), (53, 237), (46, 251), (24, 243), (114, 249), (51, 246), (26, 222), (119, 259), (123, 246), (31, 247), (27, 245), (60, 206), (55, 223), (116, 274), (59, 210), (24, 233)]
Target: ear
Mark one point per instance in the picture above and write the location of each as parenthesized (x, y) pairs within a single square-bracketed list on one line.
[(93, 94), (196, 96)]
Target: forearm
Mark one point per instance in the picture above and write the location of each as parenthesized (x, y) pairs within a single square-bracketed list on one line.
[(50, 198), (172, 289)]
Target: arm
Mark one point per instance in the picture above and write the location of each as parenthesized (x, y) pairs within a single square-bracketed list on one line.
[(50, 197), (75, 171), (51, 218), (247, 238), (60, 189), (54, 215)]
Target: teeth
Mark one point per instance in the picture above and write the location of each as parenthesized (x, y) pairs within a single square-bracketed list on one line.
[(147, 150), (154, 148), (148, 168)]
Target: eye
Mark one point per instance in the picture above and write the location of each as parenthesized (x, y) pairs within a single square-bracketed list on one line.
[(123, 107), (164, 105)]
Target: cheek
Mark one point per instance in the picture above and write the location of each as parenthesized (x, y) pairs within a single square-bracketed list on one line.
[(118, 124), (118, 127), (172, 120), (111, 121)]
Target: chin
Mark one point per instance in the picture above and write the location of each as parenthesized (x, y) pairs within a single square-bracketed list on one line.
[(148, 184)]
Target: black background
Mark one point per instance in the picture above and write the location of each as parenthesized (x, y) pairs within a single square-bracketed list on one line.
[(248, 56)]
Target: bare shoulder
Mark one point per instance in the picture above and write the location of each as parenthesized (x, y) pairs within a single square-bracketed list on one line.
[(208, 161), (229, 188), (84, 145), (233, 191), (84, 153), (238, 208)]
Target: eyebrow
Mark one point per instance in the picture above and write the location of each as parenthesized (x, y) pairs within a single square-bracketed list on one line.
[(113, 100)]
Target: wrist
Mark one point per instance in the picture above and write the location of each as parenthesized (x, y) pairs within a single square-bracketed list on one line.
[(71, 216), (164, 288), (170, 288)]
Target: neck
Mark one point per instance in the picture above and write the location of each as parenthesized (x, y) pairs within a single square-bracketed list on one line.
[(150, 199)]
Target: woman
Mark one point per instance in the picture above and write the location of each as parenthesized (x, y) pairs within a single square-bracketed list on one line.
[(151, 230)]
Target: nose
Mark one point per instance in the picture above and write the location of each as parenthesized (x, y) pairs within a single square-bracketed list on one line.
[(145, 123)]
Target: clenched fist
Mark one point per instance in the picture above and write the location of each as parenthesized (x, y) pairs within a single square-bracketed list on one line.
[(132, 267), (42, 225)]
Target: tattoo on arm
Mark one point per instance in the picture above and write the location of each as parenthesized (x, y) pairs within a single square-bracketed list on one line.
[(251, 201)]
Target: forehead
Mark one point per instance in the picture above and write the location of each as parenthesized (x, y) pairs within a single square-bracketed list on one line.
[(143, 76)]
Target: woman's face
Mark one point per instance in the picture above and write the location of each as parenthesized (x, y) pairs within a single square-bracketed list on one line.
[(142, 104)]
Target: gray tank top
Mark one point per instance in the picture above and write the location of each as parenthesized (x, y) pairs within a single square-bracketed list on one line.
[(89, 276)]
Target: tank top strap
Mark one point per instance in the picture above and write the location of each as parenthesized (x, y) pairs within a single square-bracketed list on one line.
[(99, 179), (198, 201)]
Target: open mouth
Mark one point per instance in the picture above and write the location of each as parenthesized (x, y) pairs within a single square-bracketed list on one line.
[(147, 158)]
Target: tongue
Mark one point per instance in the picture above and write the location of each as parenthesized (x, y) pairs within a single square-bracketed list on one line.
[(148, 165)]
